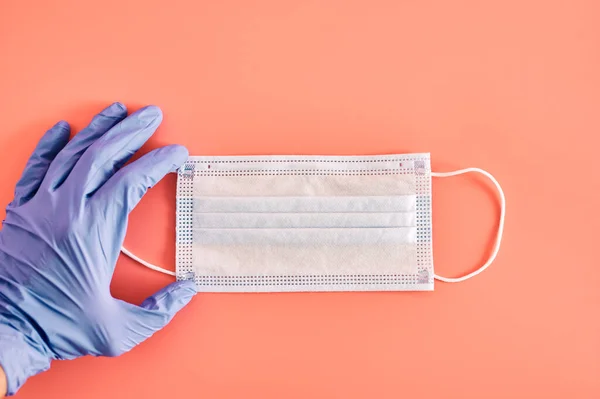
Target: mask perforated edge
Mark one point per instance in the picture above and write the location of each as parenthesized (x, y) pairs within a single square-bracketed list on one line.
[(184, 208)]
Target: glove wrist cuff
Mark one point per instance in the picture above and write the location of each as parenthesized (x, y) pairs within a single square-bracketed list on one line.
[(18, 358)]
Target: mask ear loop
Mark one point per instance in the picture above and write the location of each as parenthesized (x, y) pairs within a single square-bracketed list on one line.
[(500, 224), (147, 264)]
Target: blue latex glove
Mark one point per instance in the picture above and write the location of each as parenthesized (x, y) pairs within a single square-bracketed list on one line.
[(61, 239)]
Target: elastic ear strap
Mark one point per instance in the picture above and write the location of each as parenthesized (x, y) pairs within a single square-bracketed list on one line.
[(500, 224), (147, 264)]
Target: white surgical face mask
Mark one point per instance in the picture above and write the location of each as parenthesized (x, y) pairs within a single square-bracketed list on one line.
[(309, 223)]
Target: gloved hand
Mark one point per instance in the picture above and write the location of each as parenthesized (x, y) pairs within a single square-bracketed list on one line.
[(61, 239)]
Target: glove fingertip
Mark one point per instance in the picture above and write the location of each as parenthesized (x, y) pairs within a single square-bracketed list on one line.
[(150, 115), (188, 285), (57, 136), (64, 125), (172, 298), (178, 154), (119, 105), (109, 116), (182, 293)]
